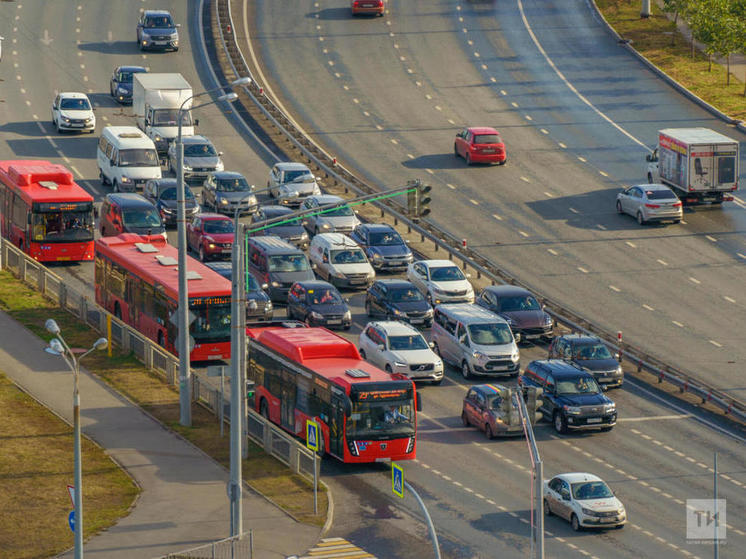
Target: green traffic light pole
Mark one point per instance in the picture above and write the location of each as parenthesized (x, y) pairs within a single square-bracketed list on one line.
[(538, 468)]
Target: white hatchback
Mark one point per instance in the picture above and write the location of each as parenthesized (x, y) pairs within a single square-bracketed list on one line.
[(397, 347), (440, 281), (73, 111), (584, 500)]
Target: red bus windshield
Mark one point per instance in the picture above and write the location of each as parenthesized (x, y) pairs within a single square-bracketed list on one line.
[(62, 223), (384, 412)]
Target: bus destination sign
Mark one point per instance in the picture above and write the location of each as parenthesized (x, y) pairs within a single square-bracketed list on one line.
[(209, 301)]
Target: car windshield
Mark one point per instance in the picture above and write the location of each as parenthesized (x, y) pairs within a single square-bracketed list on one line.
[(251, 283), (385, 238), (239, 184), (126, 77), (64, 226), (592, 351), (199, 150), (139, 158), (142, 218), (170, 194), (348, 256), (409, 342), (446, 273), (218, 226), (337, 212), (158, 21), (490, 333), (591, 490), (303, 175), (520, 303), (324, 296), (75, 104), (381, 420), (288, 263), (495, 402), (169, 117), (486, 139), (405, 295), (578, 385), (660, 195)]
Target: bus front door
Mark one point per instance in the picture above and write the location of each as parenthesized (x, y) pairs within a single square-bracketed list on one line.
[(336, 426), (287, 409)]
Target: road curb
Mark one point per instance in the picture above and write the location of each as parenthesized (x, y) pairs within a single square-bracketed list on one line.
[(741, 125)]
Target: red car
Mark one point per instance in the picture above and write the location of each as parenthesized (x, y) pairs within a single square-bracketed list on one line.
[(369, 7), (210, 235), (480, 145)]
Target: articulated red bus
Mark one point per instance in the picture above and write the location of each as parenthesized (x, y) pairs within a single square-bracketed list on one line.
[(137, 281), (44, 212), (364, 414)]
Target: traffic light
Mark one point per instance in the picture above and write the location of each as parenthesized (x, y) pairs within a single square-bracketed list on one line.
[(412, 197), (418, 201), (510, 414), (250, 386), (534, 402)]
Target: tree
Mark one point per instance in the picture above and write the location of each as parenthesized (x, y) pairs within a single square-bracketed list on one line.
[(738, 12), (706, 24), (676, 7)]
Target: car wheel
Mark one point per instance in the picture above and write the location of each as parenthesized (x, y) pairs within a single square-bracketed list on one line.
[(559, 423), (676, 221), (575, 523), (307, 320), (455, 151), (619, 526), (606, 429), (437, 382), (288, 312), (201, 253), (619, 207), (467, 158), (547, 509), (650, 178), (465, 371), (102, 177), (388, 369), (503, 162), (362, 354), (488, 431), (465, 419), (316, 231), (368, 310), (640, 219), (115, 186)]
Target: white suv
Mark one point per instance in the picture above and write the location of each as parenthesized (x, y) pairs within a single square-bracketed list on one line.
[(73, 111), (440, 281), (397, 347)]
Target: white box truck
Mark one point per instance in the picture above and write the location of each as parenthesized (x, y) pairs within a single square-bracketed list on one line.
[(699, 164), (156, 99)]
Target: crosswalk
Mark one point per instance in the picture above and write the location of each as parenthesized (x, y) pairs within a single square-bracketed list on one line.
[(329, 548)]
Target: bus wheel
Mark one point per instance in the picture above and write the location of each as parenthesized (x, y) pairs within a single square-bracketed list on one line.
[(161, 339), (263, 409), (117, 311)]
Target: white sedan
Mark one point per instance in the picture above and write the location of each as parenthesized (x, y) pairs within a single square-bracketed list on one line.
[(73, 111), (584, 500), (440, 281), (397, 347)]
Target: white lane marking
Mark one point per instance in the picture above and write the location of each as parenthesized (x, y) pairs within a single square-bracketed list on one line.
[(742, 255), (662, 262), (503, 92), (614, 288), (677, 323), (729, 299), (544, 131), (80, 175), (497, 217), (514, 104), (583, 159), (713, 342), (562, 145), (654, 418), (528, 117), (573, 210), (631, 244), (603, 173), (438, 108), (366, 113), (449, 185), (525, 179), (602, 227), (473, 201), (582, 269), (711, 238), (393, 141), (410, 156), (548, 194), (552, 251), (694, 280), (493, 79), (567, 82), (647, 307), (523, 233)]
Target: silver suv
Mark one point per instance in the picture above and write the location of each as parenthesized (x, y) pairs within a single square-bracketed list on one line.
[(290, 183), (339, 220)]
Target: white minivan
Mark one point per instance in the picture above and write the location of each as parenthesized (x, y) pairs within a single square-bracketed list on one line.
[(126, 158), (340, 261)]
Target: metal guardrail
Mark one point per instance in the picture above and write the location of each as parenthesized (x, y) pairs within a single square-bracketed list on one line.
[(235, 547), (442, 239), (274, 440)]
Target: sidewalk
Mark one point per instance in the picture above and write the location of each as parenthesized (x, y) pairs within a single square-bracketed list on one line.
[(183, 502)]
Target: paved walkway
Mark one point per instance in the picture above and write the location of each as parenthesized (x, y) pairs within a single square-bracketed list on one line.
[(184, 502)]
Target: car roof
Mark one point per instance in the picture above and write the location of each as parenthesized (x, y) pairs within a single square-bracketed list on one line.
[(196, 139), (560, 368), (128, 199), (316, 284), (279, 210), (335, 240), (575, 338), (157, 13), (576, 477), (227, 175), (131, 69), (219, 265), (376, 227), (394, 327), (326, 199), (507, 290), (489, 389), (210, 216), (73, 95), (166, 182), (654, 186), (394, 283), (292, 166), (469, 314), (435, 263), (482, 130)]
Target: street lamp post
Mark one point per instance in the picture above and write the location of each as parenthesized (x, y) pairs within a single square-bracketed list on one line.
[(185, 389), (58, 346)]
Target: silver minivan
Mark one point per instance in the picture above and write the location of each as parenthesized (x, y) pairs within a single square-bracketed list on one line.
[(475, 340)]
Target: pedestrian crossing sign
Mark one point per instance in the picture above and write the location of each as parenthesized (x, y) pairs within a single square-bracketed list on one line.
[(397, 480), (312, 435)]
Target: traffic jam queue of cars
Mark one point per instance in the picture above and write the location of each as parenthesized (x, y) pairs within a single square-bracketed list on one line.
[(304, 262)]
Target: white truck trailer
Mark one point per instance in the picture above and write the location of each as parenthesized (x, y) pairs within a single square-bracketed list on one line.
[(699, 164), (156, 99)]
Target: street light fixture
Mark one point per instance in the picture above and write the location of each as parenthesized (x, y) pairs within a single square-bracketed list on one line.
[(182, 313), (58, 346)]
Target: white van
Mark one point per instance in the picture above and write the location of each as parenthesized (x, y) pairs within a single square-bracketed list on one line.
[(475, 340), (341, 261), (126, 158)]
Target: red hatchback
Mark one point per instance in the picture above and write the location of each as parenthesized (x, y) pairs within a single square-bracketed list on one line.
[(210, 236), (369, 7), (480, 145)]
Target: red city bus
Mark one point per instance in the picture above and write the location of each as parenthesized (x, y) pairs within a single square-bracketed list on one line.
[(44, 212), (137, 281), (364, 414)]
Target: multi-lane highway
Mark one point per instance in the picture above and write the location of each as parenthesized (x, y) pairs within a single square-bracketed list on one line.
[(387, 95)]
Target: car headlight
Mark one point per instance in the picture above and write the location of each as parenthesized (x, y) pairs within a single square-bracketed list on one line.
[(608, 408), (438, 364), (211, 245), (304, 236), (429, 313), (397, 312), (376, 256), (223, 201), (186, 168), (338, 275), (399, 364), (347, 315), (268, 305), (326, 225), (547, 320), (275, 284), (126, 180), (588, 512), (121, 91), (316, 190), (515, 356), (89, 119), (574, 410), (317, 316), (157, 138), (67, 120), (479, 356), (619, 370)]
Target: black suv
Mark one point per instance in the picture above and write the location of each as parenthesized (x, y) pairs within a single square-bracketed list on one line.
[(318, 303), (572, 397), (591, 354), (398, 300)]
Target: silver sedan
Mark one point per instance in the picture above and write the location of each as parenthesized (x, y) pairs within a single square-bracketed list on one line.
[(649, 202)]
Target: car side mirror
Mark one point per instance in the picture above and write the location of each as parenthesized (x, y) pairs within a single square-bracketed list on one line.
[(565, 496), (220, 154), (468, 275), (380, 347), (432, 345), (419, 402), (649, 158), (462, 339), (313, 266), (196, 122), (115, 222), (346, 299), (95, 212), (265, 286)]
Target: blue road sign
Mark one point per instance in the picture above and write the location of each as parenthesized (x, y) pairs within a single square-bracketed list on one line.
[(397, 480), (71, 520), (312, 435)]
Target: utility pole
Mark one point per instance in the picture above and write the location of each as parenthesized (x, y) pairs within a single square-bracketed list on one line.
[(645, 9), (538, 470)]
